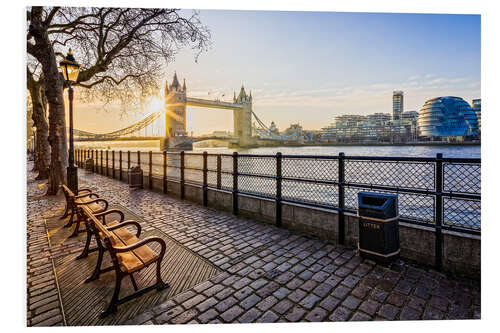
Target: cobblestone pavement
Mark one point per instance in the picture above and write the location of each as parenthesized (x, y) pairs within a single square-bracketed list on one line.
[(270, 274)]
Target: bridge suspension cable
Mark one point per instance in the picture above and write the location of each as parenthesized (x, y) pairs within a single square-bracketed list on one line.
[(136, 127)]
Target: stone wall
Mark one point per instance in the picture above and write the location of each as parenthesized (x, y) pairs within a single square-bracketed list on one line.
[(461, 252)]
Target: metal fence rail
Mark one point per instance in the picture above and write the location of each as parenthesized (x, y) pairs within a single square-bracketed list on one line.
[(443, 193)]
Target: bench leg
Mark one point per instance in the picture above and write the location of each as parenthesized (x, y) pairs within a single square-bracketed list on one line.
[(85, 251), (77, 227), (160, 285), (97, 269), (112, 307), (66, 212), (133, 282), (70, 221)]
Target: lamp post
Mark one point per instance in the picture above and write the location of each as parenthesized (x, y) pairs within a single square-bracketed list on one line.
[(70, 69)]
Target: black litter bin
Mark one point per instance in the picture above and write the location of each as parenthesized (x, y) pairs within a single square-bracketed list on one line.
[(89, 165), (135, 177), (378, 226)]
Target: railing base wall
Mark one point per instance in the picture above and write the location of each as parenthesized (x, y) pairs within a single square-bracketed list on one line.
[(461, 252)]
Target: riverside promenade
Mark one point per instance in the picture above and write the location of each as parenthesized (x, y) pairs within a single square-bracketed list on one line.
[(255, 272)]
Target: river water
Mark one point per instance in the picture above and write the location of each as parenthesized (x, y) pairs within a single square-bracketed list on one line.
[(394, 151)]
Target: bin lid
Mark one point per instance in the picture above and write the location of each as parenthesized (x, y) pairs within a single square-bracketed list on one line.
[(374, 200)]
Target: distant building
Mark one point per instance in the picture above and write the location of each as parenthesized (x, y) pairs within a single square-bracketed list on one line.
[(476, 106), (397, 104), (447, 117)]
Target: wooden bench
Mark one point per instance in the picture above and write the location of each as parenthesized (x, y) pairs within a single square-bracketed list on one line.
[(85, 198), (128, 254)]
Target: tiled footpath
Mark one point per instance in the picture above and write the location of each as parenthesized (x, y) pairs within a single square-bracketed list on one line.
[(270, 274), (43, 303)]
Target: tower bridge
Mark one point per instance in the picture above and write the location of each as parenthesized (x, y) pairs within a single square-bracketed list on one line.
[(176, 100), (176, 136)]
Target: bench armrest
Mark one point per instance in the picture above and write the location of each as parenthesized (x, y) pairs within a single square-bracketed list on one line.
[(94, 201), (141, 243), (110, 211), (124, 224), (86, 195)]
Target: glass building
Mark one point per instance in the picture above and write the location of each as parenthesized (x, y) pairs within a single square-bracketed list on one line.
[(447, 116), (476, 106), (397, 104)]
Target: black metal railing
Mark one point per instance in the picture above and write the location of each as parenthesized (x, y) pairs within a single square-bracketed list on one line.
[(442, 193)]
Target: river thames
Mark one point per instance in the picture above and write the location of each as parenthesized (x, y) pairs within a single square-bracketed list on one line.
[(361, 150)]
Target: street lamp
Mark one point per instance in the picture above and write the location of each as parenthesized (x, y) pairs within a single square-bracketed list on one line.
[(70, 69)]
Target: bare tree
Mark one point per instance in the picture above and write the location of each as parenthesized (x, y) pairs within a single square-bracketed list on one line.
[(36, 90), (122, 51)]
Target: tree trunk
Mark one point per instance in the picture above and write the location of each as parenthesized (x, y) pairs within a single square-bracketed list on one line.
[(57, 139), (44, 53), (42, 148)]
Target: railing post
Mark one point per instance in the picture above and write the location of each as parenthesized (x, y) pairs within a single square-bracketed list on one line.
[(278, 189), (94, 164), (165, 171), (138, 158), (107, 164), (101, 163), (128, 160), (235, 183), (205, 180), (120, 165), (219, 171), (113, 164), (439, 210), (150, 176), (182, 175), (341, 189)]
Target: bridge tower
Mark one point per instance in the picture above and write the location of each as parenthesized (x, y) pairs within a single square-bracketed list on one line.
[(242, 117), (175, 117)]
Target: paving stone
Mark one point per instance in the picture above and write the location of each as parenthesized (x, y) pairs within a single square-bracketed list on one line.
[(351, 302), (268, 317), (226, 304), (206, 304), (322, 290), (309, 301), (295, 314), (250, 301), (340, 292), (317, 314), (340, 314), (379, 295), (207, 316), (283, 306), (432, 313), (439, 303), (267, 303), (360, 316), (231, 314), (329, 303), (243, 293), (268, 289), (396, 299), (250, 316), (408, 313), (370, 306), (388, 311)]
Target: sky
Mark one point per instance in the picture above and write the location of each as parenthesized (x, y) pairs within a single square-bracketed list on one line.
[(308, 67)]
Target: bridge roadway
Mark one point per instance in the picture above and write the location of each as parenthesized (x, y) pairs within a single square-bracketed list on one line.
[(205, 103)]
